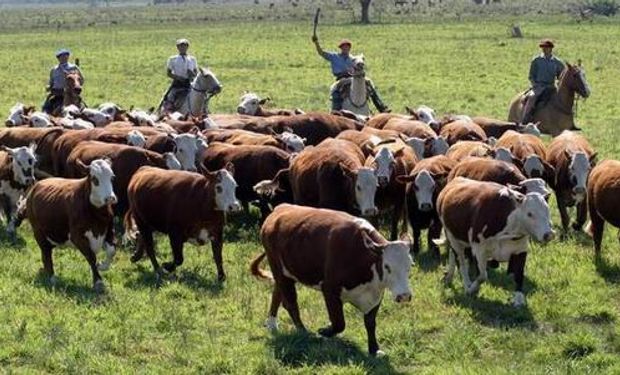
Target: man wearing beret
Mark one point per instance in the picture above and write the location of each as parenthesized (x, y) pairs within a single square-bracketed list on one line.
[(544, 70), (182, 68), (341, 64), (56, 84)]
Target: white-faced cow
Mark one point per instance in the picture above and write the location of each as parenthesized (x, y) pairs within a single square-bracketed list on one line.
[(18, 115), (343, 256)]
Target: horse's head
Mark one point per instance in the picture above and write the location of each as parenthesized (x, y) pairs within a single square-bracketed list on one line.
[(72, 83), (575, 78), (207, 82), (358, 66)]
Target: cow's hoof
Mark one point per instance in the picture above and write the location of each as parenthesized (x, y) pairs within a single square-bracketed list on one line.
[(577, 227), (379, 354), (103, 266), (53, 280), (169, 267), (99, 286), (473, 289), (518, 299), (327, 331), (447, 278), (221, 277), (492, 264), (135, 258)]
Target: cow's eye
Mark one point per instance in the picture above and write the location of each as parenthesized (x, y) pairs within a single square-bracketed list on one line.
[(95, 181), (358, 188), (529, 214), (388, 269), (218, 189)]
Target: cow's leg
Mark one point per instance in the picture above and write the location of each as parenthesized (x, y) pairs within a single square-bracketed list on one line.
[(276, 300), (146, 244), (434, 232), (84, 246), (395, 219), (370, 322), (415, 246), (582, 215), (335, 312), (480, 255), (176, 244), (563, 212), (449, 275), (110, 249), (516, 267), (463, 263), (288, 295), (10, 211), (216, 248), (597, 227), (46, 256)]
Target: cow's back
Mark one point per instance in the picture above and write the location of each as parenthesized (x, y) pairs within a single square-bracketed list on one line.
[(604, 191), (482, 169)]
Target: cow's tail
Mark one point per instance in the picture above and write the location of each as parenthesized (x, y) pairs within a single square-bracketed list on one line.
[(259, 272), (131, 230)]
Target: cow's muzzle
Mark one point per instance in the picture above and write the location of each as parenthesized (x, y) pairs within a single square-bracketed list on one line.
[(370, 212), (402, 298), (425, 207), (235, 207), (547, 237), (241, 110), (111, 200)]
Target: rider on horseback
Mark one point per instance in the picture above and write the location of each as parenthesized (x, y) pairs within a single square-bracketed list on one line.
[(341, 64), (56, 84), (544, 70), (182, 68)]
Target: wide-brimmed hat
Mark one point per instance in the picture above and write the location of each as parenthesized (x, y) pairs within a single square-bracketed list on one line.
[(343, 42), (546, 43), (182, 41), (62, 51)]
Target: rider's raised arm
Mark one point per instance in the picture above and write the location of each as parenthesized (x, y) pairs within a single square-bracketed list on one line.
[(319, 50)]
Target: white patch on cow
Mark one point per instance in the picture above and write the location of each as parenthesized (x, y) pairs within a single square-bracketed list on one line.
[(439, 146), (23, 160), (397, 264), (385, 161), (203, 237), (463, 118), (136, 138), (535, 217), (292, 141), (364, 224), (208, 124), (101, 191), (186, 150), (248, 104), (13, 196), (177, 116), (142, 118), (535, 185), (97, 117), (417, 145), (201, 147), (95, 242), (533, 163), (578, 171), (532, 129), (16, 114), (110, 251), (71, 111), (225, 186), (425, 114), (172, 163), (365, 189), (366, 296), (110, 109), (40, 120), (375, 140), (424, 187), (503, 154)]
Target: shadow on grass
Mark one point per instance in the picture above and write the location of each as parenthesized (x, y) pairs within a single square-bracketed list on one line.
[(301, 349), (609, 272), (242, 226), (427, 261), (7, 242), (147, 278), (76, 291)]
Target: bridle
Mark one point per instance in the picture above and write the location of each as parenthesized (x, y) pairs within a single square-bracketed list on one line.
[(207, 95)]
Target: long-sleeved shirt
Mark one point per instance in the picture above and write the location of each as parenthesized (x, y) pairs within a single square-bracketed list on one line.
[(340, 63), (57, 75), (545, 70)]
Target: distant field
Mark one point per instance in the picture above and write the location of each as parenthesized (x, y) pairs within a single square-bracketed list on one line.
[(571, 322)]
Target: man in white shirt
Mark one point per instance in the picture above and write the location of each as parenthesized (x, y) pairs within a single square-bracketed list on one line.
[(182, 68)]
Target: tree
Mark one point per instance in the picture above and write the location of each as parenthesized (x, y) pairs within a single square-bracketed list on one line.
[(365, 10)]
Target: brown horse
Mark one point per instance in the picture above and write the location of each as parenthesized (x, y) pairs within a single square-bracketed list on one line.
[(71, 92), (557, 114)]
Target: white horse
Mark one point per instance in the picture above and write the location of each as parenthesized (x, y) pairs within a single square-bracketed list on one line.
[(355, 98), (203, 87)]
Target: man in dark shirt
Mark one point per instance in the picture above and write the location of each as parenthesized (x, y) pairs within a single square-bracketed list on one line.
[(544, 70), (341, 64)]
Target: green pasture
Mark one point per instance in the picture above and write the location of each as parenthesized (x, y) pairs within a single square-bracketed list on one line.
[(195, 325)]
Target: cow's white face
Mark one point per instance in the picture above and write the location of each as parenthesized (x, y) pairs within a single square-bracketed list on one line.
[(578, 171), (536, 218), (80, 124), (225, 186), (101, 191), (417, 144), (208, 123), (365, 189), (136, 138), (176, 116), (531, 129), (142, 118), (96, 117), (71, 111), (424, 187), (535, 185), (186, 150), (110, 109), (439, 146), (384, 160), (172, 162), (248, 104), (292, 141), (503, 154), (426, 114), (23, 160), (201, 148), (533, 166), (397, 264), (15, 115), (40, 120)]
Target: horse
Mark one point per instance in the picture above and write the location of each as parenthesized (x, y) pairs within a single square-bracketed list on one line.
[(203, 87), (353, 89), (556, 115), (71, 93)]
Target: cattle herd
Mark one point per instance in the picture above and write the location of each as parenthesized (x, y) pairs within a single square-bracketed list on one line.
[(476, 184)]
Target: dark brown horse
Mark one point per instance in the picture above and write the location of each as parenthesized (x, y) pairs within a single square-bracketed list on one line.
[(71, 92), (557, 114)]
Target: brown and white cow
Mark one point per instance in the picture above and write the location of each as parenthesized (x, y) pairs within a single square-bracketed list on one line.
[(465, 149), (424, 183), (531, 153), (193, 209), (126, 160), (16, 176), (44, 138), (462, 130), (79, 211), (343, 256), (18, 115), (251, 104), (572, 157), (603, 197), (427, 147), (496, 128), (286, 141), (495, 222)]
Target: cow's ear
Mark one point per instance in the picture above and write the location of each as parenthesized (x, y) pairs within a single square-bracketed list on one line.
[(84, 169), (33, 147), (345, 169), (8, 150), (411, 112), (518, 163), (512, 193), (568, 154), (549, 175), (370, 244), (368, 148), (263, 101), (230, 167), (521, 189), (593, 159), (491, 141), (441, 179), (403, 179)]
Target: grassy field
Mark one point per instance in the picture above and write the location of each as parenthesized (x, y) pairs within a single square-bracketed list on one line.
[(195, 325)]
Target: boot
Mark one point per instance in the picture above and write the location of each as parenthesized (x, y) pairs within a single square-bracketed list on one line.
[(528, 109), (376, 100)]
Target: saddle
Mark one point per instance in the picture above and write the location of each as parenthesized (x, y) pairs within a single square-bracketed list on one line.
[(343, 86), (542, 99)]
